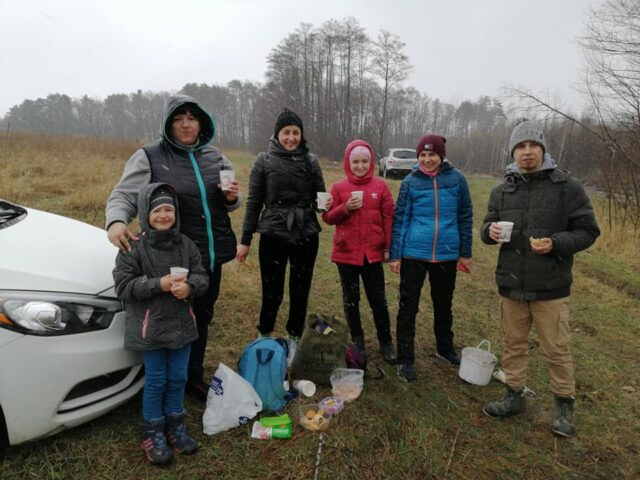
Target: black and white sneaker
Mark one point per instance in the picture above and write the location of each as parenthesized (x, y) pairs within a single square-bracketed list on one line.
[(407, 373)]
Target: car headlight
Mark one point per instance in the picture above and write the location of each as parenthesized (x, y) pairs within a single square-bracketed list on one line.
[(46, 313)]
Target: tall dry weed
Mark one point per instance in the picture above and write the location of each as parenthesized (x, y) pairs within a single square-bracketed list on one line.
[(617, 241), (63, 174)]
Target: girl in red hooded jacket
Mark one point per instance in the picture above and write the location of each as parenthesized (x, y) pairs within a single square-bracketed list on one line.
[(362, 211)]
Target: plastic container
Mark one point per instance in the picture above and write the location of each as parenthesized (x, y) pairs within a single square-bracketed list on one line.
[(314, 418), (476, 366), (347, 383), (332, 405)]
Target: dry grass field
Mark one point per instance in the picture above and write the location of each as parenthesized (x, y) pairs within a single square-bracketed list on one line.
[(433, 429)]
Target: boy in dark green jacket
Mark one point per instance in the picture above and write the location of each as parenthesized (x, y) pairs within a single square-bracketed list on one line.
[(552, 220)]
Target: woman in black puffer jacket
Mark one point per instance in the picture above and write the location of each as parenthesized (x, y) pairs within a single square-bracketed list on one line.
[(281, 206)]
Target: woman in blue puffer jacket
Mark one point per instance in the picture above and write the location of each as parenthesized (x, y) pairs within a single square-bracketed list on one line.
[(431, 234)]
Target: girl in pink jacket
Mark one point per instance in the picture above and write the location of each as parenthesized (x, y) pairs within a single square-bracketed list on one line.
[(362, 211)]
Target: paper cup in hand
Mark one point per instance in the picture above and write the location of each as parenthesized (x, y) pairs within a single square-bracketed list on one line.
[(358, 194), (322, 200), (226, 177), (505, 234), (178, 273)]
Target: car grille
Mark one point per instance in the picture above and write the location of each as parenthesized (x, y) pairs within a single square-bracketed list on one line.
[(97, 384)]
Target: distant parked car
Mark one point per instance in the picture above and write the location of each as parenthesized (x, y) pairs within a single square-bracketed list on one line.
[(61, 326), (396, 161)]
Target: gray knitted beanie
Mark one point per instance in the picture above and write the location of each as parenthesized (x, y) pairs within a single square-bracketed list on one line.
[(526, 131)]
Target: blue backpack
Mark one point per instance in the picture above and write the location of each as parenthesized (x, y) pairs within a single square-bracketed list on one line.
[(263, 364)]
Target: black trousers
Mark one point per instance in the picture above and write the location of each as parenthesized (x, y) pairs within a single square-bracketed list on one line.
[(203, 307), (442, 279), (274, 255), (373, 280)]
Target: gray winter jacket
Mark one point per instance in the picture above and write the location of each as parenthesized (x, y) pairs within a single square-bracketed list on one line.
[(285, 184), (547, 203), (156, 319), (194, 173)]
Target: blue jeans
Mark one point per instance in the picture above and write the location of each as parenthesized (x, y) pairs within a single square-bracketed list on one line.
[(164, 382)]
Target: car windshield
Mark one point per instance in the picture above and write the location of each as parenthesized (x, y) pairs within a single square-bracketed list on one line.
[(405, 154), (10, 214)]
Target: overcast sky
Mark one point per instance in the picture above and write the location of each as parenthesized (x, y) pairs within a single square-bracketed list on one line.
[(460, 49)]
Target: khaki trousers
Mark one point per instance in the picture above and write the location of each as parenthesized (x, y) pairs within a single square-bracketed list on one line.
[(551, 319)]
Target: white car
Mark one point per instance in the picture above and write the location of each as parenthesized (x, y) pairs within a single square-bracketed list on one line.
[(397, 160), (62, 354)]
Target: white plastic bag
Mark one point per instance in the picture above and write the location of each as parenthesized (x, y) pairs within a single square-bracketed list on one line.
[(231, 401)]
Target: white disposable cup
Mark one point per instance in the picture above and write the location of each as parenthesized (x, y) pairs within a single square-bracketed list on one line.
[(305, 387), (226, 177), (505, 234), (179, 272), (358, 194), (322, 200)]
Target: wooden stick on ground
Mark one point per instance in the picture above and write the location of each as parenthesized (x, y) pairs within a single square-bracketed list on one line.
[(453, 447)]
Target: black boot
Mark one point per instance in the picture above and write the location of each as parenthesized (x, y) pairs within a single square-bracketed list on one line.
[(196, 386), (154, 443), (562, 423), (389, 355)]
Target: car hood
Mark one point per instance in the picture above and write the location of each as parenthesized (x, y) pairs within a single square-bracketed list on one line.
[(48, 252)]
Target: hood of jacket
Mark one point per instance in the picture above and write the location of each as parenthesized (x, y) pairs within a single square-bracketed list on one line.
[(548, 163), (207, 125), (156, 237), (347, 165)]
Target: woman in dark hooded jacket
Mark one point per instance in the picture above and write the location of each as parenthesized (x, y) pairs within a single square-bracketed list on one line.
[(184, 158), (281, 206)]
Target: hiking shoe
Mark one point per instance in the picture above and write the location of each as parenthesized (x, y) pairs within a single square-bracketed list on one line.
[(562, 423), (177, 435), (389, 355), (407, 373), (292, 344), (452, 357), (512, 403), (154, 443), (198, 388)]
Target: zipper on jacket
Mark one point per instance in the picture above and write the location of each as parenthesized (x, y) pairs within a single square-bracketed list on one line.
[(205, 208), (525, 226), (435, 220)]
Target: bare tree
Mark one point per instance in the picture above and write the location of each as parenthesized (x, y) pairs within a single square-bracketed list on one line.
[(611, 47), (392, 66)]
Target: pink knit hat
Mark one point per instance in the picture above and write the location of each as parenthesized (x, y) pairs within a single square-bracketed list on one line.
[(359, 150)]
